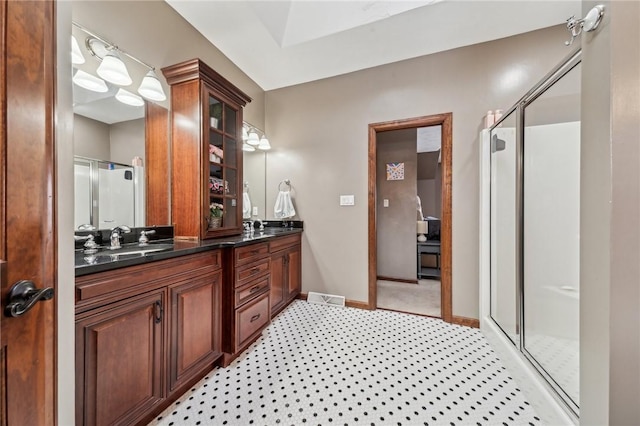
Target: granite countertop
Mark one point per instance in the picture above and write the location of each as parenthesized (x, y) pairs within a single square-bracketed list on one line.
[(89, 264)]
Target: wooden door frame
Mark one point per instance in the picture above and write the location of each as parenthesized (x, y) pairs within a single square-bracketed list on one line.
[(445, 120)]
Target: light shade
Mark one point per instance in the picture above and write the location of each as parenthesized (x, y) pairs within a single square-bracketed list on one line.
[(253, 139), (151, 88), (89, 82), (114, 70), (247, 148), (421, 227), (264, 144), (126, 97), (76, 55), (245, 134)]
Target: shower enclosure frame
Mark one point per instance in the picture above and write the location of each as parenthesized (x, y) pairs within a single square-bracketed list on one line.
[(545, 394)]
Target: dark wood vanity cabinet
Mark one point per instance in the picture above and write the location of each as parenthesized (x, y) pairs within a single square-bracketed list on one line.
[(144, 334), (286, 267), (246, 307), (119, 360), (206, 158)]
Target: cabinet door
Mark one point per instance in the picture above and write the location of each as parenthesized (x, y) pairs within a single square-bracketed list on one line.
[(195, 326), (278, 277), (294, 269), (120, 348)]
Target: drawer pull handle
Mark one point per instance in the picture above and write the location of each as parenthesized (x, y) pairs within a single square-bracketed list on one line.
[(256, 251), (254, 289), (255, 317), (254, 270)]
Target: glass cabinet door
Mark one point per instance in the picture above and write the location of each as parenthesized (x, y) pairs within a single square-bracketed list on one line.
[(223, 165)]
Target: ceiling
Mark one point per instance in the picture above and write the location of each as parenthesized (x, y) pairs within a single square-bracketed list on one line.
[(280, 43)]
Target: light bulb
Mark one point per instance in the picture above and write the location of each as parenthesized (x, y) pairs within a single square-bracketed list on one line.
[(151, 88), (114, 70), (76, 55), (264, 144), (253, 138), (90, 82), (129, 98)]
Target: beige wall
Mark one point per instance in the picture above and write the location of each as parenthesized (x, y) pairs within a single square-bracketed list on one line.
[(319, 130), (91, 138), (127, 141), (152, 31), (396, 224), (610, 201)]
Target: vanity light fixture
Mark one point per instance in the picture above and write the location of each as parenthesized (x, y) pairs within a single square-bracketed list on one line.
[(151, 88), (245, 134), (77, 57), (114, 70), (90, 82), (247, 148), (264, 144), (128, 98)]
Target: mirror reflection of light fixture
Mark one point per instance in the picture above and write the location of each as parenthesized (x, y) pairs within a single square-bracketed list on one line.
[(90, 82), (151, 88), (245, 134), (264, 144), (247, 148), (114, 70), (128, 98), (77, 57)]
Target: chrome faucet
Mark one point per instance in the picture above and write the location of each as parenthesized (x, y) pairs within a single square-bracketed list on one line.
[(261, 228), (144, 240), (115, 236), (248, 226), (90, 245)]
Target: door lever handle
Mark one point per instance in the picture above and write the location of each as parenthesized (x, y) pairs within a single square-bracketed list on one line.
[(23, 295)]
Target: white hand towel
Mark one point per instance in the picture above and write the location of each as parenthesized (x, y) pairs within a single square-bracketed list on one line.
[(283, 208), (246, 206)]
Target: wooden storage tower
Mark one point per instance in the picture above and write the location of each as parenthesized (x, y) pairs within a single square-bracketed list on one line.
[(206, 157)]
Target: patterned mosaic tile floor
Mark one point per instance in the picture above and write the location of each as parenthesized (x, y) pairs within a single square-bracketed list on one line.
[(324, 365)]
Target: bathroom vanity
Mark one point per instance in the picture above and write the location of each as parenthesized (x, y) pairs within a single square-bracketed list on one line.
[(150, 325)]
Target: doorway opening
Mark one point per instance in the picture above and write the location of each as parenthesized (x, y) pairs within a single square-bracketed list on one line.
[(393, 169)]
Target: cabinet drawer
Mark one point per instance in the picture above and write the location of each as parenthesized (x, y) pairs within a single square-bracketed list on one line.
[(251, 290), (250, 319), (284, 242), (251, 252), (247, 273)]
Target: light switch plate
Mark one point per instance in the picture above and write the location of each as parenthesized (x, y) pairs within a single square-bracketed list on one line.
[(255, 211), (385, 203), (347, 200)]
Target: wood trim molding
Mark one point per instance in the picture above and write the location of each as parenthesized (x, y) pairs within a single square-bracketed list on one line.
[(397, 280), (446, 121), (466, 322)]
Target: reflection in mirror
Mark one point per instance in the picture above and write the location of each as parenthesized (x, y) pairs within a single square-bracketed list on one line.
[(110, 127), (255, 145), (107, 194)]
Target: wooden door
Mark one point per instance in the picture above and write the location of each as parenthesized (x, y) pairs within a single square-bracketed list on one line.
[(278, 277), (119, 368), (195, 326), (27, 214)]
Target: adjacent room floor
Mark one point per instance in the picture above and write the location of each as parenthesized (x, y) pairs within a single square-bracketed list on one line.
[(422, 298), (326, 365)]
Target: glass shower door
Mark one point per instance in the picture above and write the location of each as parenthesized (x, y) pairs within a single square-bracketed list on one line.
[(504, 247), (551, 232)]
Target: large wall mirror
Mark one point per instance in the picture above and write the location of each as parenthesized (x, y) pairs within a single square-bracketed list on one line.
[(111, 136)]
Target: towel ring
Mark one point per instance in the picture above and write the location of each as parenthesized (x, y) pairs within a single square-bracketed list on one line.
[(286, 182)]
